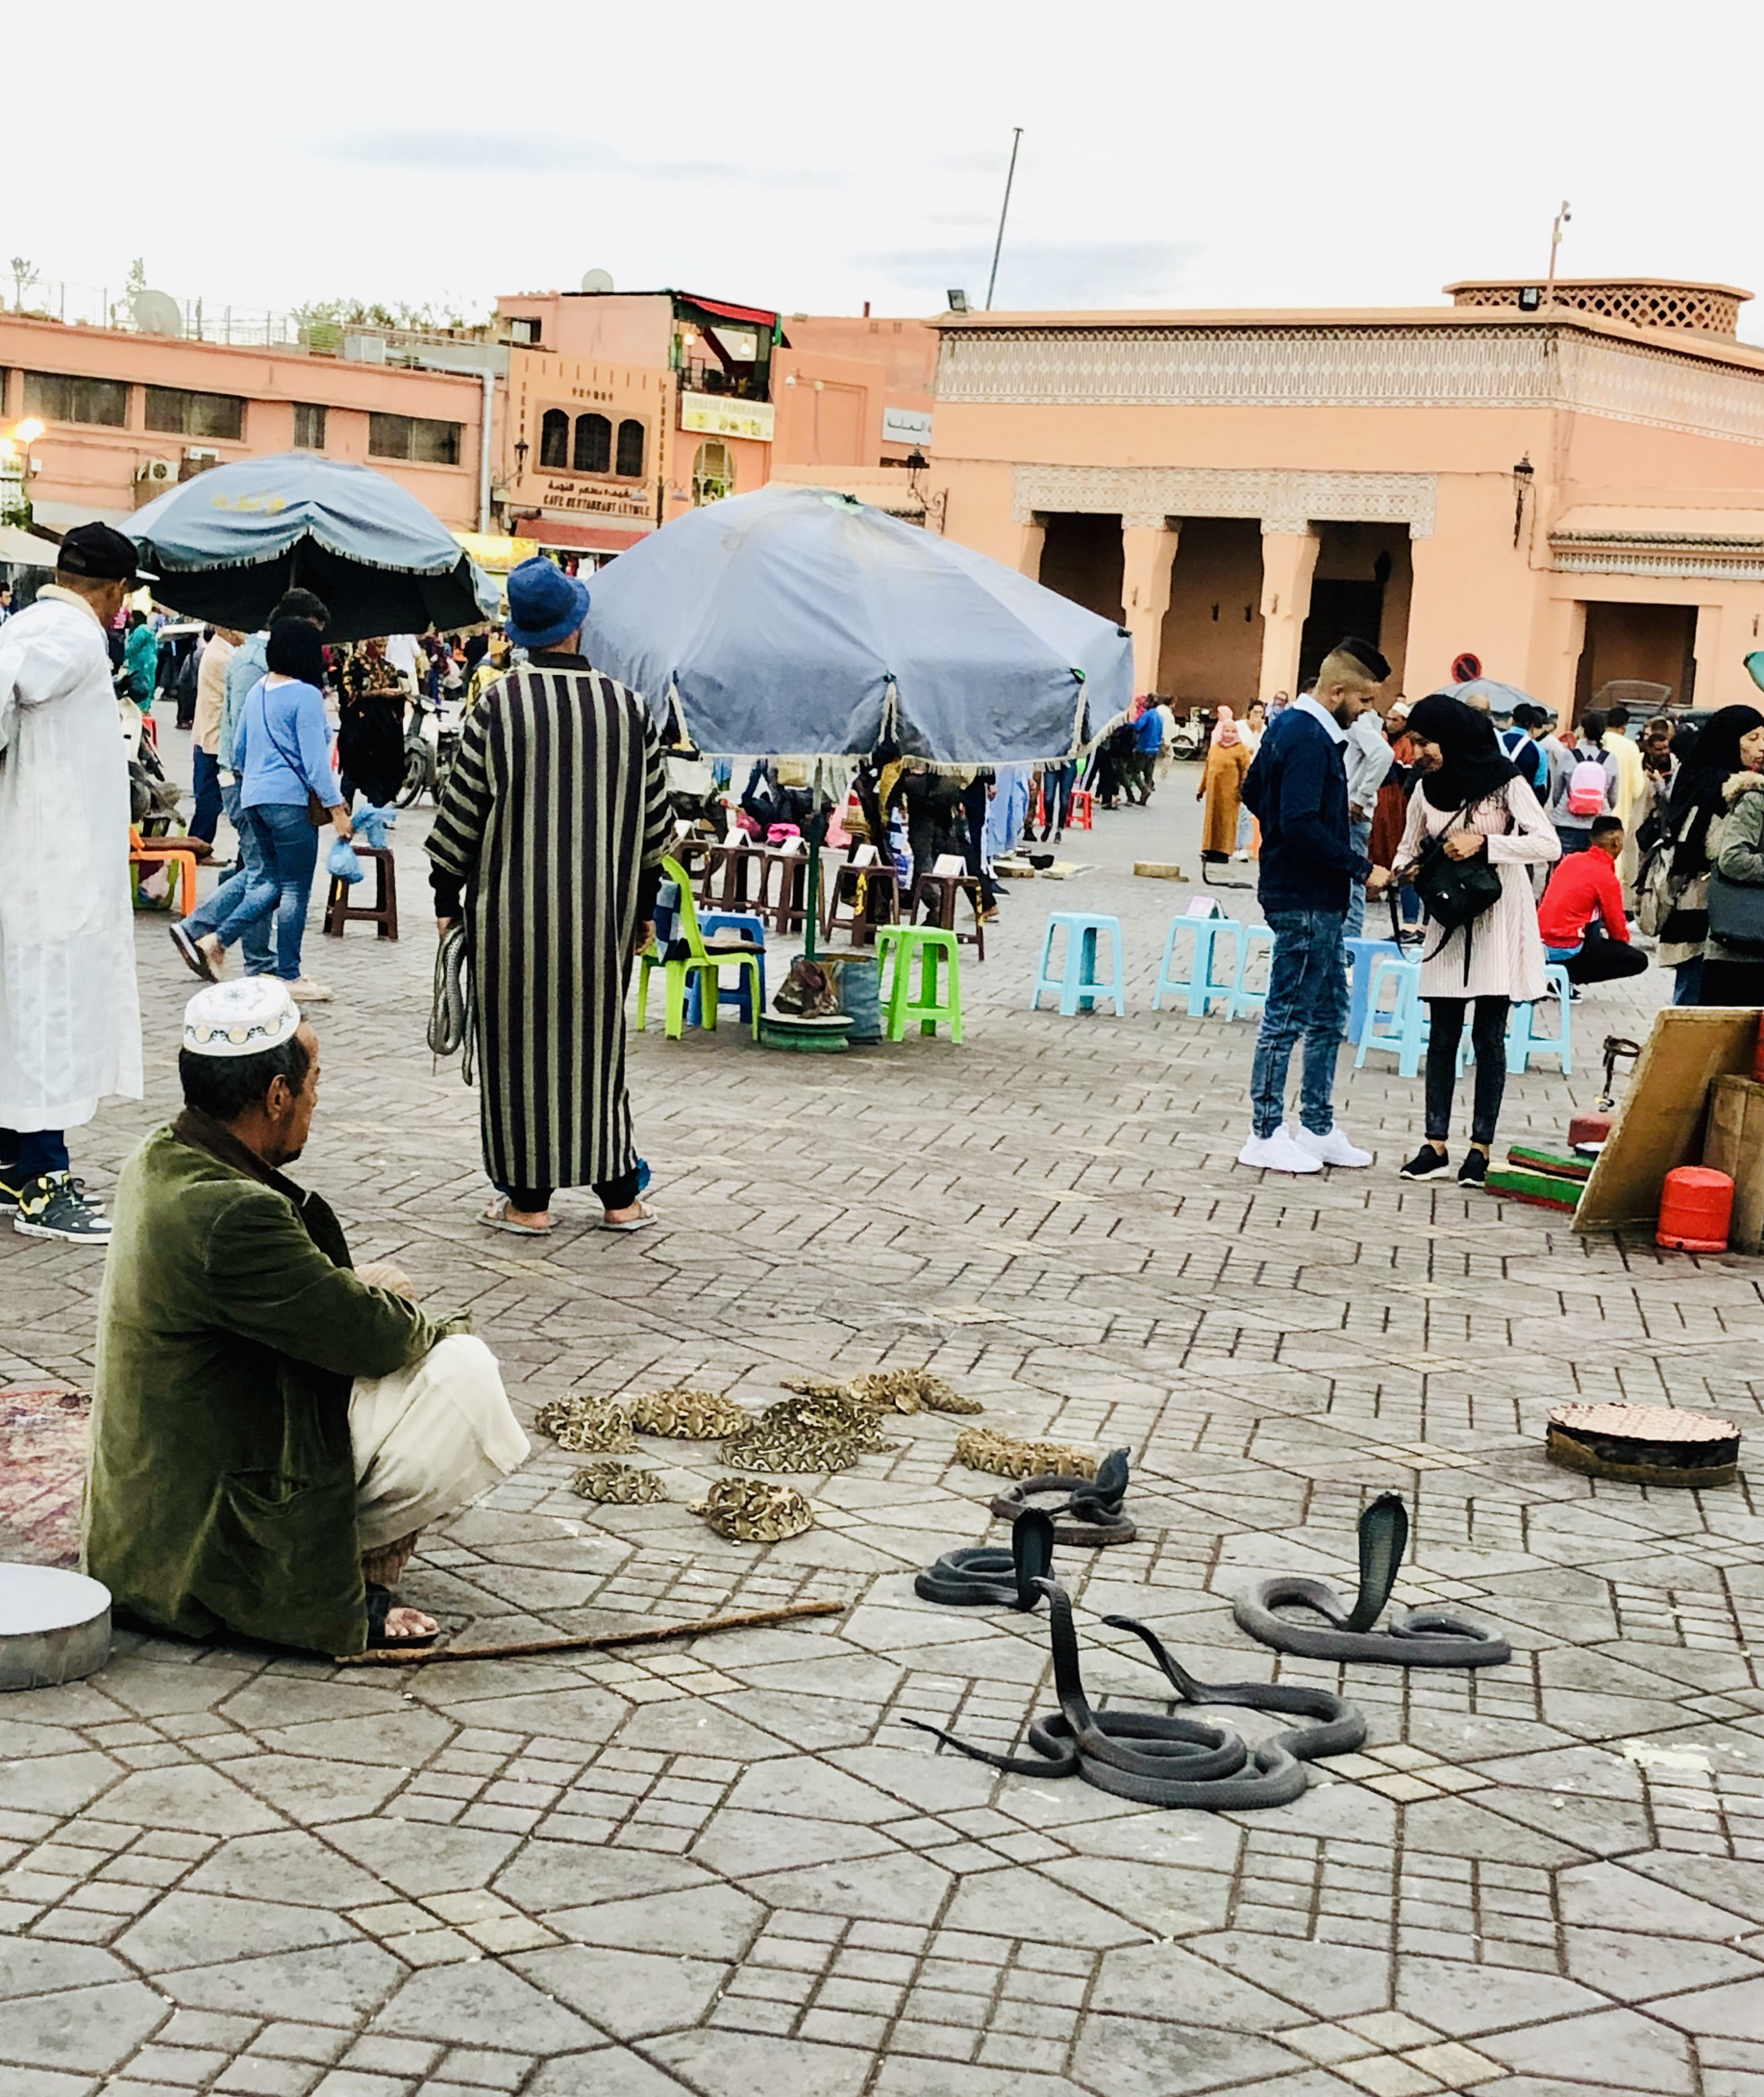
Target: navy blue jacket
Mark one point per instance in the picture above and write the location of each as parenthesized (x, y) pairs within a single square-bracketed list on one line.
[(1298, 790)]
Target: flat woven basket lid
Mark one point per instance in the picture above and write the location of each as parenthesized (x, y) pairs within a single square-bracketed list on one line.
[(1643, 1423)]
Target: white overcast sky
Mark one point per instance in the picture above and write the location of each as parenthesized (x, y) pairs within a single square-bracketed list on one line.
[(808, 156)]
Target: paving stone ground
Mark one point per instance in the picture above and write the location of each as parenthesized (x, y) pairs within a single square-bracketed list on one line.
[(732, 1868)]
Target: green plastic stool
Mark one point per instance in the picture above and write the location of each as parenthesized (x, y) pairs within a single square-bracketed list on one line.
[(897, 944)]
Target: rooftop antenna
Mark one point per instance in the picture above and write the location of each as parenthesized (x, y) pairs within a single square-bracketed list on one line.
[(1562, 217), (1016, 139)]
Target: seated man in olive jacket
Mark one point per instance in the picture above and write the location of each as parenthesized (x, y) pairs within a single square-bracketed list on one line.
[(269, 1430)]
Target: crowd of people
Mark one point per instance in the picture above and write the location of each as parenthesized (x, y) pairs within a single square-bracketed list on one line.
[(545, 858), (1580, 837)]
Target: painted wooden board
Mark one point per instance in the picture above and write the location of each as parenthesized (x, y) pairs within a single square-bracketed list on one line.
[(1661, 1122)]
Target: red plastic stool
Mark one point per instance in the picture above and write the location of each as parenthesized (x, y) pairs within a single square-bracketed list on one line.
[(1696, 1207), (1079, 818)]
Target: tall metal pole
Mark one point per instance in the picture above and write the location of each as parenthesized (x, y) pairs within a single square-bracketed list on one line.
[(1555, 240), (1016, 139)]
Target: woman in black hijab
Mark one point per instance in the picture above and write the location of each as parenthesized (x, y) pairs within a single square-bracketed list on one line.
[(1476, 801), (1695, 803)]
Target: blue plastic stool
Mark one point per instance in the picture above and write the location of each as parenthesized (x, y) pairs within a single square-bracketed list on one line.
[(1201, 986), (1403, 1030), (740, 992), (1080, 986), (1524, 1046), (1245, 1002), (1363, 954)]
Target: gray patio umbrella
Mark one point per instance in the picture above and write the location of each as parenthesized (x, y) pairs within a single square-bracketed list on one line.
[(797, 622), (226, 545)]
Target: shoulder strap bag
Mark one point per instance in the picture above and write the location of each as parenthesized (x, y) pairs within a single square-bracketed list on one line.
[(1456, 892)]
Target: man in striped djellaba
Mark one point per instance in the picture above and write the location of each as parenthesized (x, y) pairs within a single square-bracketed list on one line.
[(549, 843)]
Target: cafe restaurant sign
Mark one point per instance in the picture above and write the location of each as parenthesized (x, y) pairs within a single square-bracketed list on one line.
[(710, 414), (592, 500)]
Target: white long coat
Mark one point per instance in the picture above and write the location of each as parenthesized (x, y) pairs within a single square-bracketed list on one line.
[(70, 1024), (1506, 950)]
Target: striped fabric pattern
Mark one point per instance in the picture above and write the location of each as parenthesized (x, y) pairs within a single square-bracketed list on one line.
[(555, 804)]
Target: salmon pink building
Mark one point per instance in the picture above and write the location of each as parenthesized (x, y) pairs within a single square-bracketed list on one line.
[(124, 415), (1571, 490), (629, 408)]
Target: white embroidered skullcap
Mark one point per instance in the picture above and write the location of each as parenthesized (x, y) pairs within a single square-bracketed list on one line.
[(242, 1018)]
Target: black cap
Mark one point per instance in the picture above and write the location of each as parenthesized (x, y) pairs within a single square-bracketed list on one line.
[(103, 553), (1365, 654)]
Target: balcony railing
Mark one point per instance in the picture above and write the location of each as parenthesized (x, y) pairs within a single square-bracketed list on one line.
[(699, 376)]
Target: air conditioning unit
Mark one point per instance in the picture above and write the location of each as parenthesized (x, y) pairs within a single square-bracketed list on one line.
[(157, 469)]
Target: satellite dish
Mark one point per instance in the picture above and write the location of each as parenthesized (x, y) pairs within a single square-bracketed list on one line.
[(597, 280), (157, 312)]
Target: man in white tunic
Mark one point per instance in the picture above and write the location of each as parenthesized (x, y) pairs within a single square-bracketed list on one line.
[(70, 1032)]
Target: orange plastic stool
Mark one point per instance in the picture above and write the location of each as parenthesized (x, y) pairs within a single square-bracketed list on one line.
[(173, 852), (1696, 1207)]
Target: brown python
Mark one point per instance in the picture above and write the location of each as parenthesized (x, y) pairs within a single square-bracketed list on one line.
[(748, 1511), (812, 1432), (898, 1391), (981, 1449), (581, 1423), (621, 1484), (688, 1415)]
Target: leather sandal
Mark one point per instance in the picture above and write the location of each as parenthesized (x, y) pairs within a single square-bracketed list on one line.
[(381, 1603)]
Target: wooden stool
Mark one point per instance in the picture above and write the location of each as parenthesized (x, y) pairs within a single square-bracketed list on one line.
[(882, 886), (733, 859), (789, 910), (936, 904), (341, 912)]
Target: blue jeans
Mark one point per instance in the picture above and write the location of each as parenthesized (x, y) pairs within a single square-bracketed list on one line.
[(205, 776), (31, 1154), (282, 883), (231, 894), (1687, 981), (1361, 836), (1057, 784), (1308, 994)]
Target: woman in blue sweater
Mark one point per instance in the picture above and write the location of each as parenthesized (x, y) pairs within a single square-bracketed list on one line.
[(283, 755)]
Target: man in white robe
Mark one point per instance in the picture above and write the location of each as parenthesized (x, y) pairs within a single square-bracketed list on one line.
[(70, 1032)]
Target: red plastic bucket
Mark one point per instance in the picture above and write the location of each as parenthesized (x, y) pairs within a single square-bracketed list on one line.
[(1696, 1206)]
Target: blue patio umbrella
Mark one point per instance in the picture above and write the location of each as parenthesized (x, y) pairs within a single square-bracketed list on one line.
[(226, 544), (797, 622)]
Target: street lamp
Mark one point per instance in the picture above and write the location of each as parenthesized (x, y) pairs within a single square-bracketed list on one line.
[(1523, 474)]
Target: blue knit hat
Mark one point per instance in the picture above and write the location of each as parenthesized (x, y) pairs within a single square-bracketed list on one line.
[(545, 606)]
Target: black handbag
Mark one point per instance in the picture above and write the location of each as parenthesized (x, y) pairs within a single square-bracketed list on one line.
[(1736, 913), (1456, 892)]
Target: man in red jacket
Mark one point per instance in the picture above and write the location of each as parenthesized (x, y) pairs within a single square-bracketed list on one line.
[(1584, 885)]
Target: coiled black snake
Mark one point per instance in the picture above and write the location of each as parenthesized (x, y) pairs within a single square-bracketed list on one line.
[(1092, 1510), (1150, 1758), (990, 1574), (1412, 1639)]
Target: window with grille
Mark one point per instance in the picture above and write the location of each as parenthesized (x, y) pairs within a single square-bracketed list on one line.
[(416, 438), (56, 396), (713, 472), (593, 452), (555, 442), (631, 448), (308, 427), (176, 411)]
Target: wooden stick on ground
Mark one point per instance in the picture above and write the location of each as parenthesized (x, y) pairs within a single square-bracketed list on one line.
[(653, 1634)]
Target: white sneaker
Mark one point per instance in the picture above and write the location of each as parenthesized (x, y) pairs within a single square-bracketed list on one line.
[(1278, 1152), (305, 992), (1332, 1149)]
